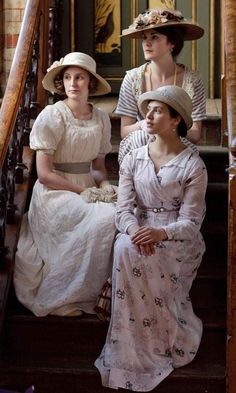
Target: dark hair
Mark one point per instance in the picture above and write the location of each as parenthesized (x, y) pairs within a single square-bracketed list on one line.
[(174, 36), (58, 82), (182, 128)]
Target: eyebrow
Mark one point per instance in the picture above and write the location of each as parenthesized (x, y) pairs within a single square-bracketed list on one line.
[(154, 106), (77, 73)]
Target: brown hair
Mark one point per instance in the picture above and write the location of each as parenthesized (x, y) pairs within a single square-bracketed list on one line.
[(182, 128), (175, 36), (58, 82)]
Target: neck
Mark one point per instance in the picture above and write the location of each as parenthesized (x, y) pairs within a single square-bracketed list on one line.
[(167, 145), (80, 108), (162, 74)]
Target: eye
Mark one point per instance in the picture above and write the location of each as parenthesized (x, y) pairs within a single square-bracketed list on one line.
[(155, 36)]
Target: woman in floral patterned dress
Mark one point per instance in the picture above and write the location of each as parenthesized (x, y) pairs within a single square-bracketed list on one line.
[(160, 209)]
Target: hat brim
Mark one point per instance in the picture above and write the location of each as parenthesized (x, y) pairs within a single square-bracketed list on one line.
[(191, 31), (156, 95), (103, 86)]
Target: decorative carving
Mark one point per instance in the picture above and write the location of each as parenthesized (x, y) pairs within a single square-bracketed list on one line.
[(12, 172)]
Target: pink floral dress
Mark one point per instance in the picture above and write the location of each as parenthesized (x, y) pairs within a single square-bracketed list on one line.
[(153, 328)]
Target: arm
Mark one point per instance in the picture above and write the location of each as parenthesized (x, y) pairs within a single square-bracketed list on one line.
[(196, 90), (98, 167), (127, 106), (98, 171), (125, 220), (126, 198), (192, 210), (46, 176), (129, 124), (195, 132), (191, 213)]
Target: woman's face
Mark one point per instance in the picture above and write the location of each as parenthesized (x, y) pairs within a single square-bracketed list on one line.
[(155, 45), (76, 82), (159, 120)]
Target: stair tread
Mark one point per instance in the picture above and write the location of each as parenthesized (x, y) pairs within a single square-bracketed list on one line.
[(90, 320), (76, 365)]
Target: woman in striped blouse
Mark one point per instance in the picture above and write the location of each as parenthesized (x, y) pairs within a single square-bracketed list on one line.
[(163, 33)]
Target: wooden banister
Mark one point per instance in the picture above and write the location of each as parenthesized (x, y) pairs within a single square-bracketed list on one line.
[(18, 73), (228, 13), (230, 70), (23, 93)]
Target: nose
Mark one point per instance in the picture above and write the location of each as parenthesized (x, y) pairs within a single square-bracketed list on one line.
[(147, 42), (72, 81), (149, 114)]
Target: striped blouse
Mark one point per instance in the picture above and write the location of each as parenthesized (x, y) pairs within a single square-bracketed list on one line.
[(133, 86)]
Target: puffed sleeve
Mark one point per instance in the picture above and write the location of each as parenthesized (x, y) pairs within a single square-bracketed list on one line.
[(193, 209), (47, 130), (125, 206), (105, 146)]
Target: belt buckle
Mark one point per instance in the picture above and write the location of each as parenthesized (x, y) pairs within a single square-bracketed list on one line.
[(158, 209)]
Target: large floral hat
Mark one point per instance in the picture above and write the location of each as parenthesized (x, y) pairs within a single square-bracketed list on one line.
[(77, 59), (159, 18)]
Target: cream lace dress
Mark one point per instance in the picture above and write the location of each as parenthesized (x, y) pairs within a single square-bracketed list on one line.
[(65, 245)]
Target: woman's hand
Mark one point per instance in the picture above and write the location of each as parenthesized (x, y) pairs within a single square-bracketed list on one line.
[(144, 249), (109, 188), (148, 235)]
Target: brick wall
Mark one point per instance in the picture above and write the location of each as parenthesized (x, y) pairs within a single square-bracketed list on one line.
[(11, 12)]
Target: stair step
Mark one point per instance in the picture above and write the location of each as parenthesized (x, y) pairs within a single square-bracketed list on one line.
[(207, 292), (27, 334), (84, 378)]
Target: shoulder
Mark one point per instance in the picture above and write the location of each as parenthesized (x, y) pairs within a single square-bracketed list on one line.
[(193, 84), (51, 113), (100, 113), (191, 75), (139, 153), (134, 72), (195, 162)]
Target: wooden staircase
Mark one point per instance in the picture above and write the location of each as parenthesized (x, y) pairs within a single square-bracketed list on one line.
[(56, 354)]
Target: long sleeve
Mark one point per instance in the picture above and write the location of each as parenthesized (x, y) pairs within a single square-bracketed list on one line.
[(192, 210), (126, 197)]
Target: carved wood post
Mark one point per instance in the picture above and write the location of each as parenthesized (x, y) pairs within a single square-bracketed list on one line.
[(229, 11)]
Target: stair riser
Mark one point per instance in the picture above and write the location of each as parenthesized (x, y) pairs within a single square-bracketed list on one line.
[(216, 250), (86, 343), (207, 293), (83, 383)]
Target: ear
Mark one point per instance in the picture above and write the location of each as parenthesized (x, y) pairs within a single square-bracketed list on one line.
[(177, 120)]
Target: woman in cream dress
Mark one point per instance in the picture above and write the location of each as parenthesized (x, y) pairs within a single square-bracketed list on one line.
[(65, 246)]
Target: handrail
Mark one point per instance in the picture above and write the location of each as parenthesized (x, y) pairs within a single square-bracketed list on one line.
[(17, 76), (23, 93), (230, 65), (228, 13)]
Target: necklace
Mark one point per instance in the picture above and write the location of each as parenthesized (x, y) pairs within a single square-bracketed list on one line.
[(163, 82)]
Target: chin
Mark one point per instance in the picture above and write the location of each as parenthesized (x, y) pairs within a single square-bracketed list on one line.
[(150, 131)]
